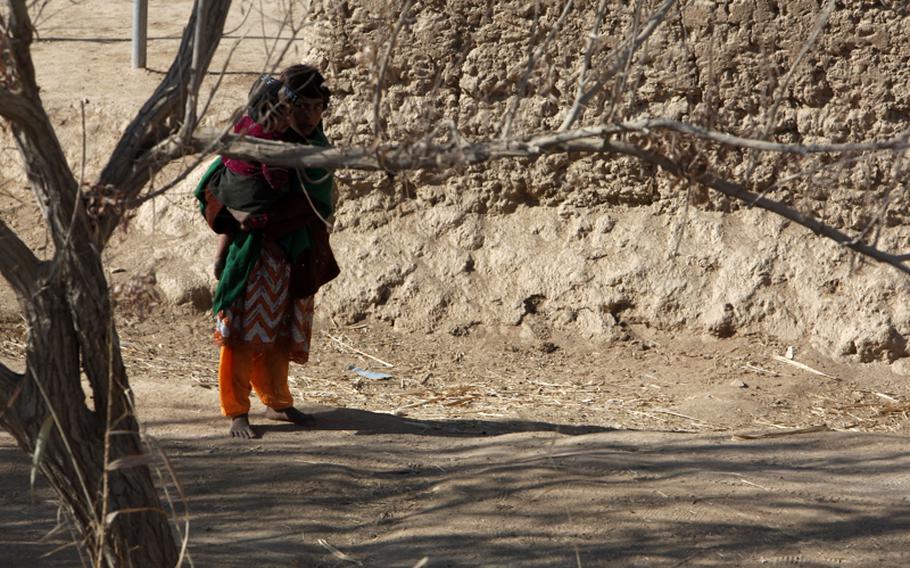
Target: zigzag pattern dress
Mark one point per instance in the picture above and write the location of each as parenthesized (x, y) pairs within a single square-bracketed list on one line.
[(266, 315)]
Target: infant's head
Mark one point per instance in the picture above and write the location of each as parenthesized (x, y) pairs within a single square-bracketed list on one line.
[(266, 104)]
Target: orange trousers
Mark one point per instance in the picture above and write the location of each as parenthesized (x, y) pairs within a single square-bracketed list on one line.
[(263, 369)]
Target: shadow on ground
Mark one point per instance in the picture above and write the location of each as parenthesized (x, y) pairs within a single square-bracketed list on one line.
[(365, 423), (517, 496)]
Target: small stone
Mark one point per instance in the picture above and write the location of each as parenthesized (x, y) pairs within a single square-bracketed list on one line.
[(738, 383)]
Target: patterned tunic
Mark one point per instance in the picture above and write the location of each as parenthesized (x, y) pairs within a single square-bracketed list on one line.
[(266, 315)]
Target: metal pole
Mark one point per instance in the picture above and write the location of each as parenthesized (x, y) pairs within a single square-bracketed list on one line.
[(140, 32)]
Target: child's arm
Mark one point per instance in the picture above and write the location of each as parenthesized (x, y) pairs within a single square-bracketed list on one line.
[(224, 242)]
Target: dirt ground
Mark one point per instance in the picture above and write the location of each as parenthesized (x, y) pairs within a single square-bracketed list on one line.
[(486, 446), (484, 449)]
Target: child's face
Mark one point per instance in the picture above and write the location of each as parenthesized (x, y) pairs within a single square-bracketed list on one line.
[(306, 115)]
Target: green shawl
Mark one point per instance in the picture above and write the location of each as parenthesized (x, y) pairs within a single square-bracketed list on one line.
[(246, 246)]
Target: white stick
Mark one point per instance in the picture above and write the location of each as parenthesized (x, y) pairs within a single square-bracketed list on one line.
[(359, 352), (804, 367)]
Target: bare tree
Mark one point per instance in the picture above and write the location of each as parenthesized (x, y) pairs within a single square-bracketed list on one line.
[(92, 454)]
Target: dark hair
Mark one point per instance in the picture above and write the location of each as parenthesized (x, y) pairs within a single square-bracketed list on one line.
[(303, 80), (264, 98)]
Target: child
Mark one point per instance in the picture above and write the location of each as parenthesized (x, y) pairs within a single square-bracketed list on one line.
[(254, 187)]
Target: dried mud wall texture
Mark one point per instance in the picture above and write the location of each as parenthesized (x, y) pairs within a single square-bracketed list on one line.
[(586, 245)]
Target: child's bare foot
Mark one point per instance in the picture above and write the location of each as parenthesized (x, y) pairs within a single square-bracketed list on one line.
[(240, 427), (289, 414)]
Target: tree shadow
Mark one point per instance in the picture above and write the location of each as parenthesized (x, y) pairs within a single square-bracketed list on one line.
[(610, 498), (617, 498)]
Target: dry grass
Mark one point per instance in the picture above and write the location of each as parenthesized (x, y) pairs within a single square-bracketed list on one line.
[(659, 383)]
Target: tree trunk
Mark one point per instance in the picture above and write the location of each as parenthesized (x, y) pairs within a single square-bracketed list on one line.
[(120, 519), (113, 504)]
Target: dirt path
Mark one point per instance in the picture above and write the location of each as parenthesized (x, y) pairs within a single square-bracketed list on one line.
[(387, 492), (593, 458)]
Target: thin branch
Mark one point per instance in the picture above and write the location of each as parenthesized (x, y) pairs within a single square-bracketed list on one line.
[(221, 74), (22, 33), (195, 76), (785, 84), (159, 117), (740, 193), (533, 57), (583, 66), (201, 156), (820, 24), (620, 83), (380, 77), (46, 166), (899, 142), (84, 142), (438, 157), (583, 97)]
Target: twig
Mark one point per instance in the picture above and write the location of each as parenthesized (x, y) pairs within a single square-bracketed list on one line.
[(746, 481), (380, 77), (529, 68), (582, 98), (620, 82), (82, 168), (583, 67), (106, 457), (337, 553), (759, 370), (803, 366), (886, 397), (785, 84), (355, 350), (221, 74)]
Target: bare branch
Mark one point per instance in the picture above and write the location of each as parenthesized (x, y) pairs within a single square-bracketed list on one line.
[(380, 76), (159, 117), (740, 193), (619, 84), (195, 76), (583, 97), (18, 264), (45, 163), (22, 33), (771, 118), (785, 84), (584, 140), (533, 57), (221, 74), (899, 142), (438, 157), (583, 66)]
